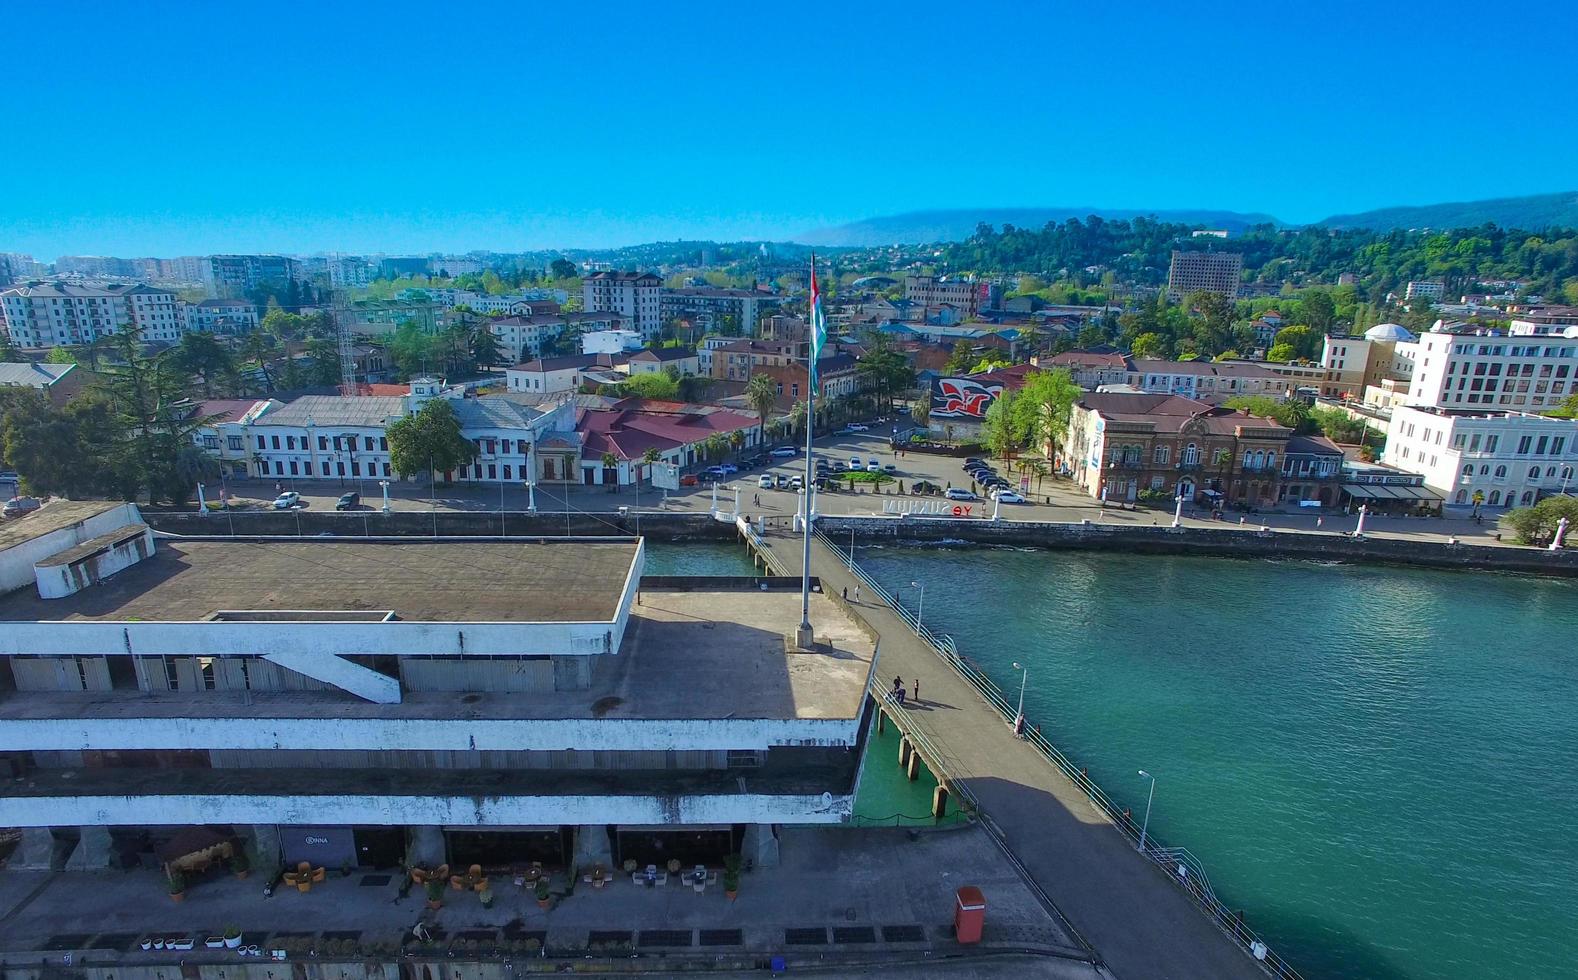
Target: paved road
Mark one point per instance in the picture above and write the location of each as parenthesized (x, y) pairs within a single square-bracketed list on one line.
[(1056, 499), (1143, 926)]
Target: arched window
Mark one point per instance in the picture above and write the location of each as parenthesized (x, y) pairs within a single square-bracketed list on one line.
[(1495, 497), (1528, 497), (1462, 495), (1534, 472), (1468, 470), (1501, 472), (1249, 460), (1162, 454), (1191, 454), (1484, 469), (1271, 461)]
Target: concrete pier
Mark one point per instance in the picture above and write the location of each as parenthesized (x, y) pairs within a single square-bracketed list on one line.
[(1140, 922)]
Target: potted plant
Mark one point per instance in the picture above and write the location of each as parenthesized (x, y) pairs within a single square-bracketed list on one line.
[(731, 883), (630, 865), (485, 896), (542, 892), (599, 876), (177, 883), (232, 937), (435, 894), (239, 865)]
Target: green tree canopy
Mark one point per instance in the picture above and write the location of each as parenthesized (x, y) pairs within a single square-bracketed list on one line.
[(1149, 345), (429, 440), (1537, 524), (1292, 413), (657, 386)]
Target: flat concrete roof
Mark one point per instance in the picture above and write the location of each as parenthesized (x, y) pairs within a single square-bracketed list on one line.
[(51, 517), (422, 581), (686, 655)]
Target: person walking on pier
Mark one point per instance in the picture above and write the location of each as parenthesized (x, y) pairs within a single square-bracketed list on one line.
[(917, 690), (857, 592)]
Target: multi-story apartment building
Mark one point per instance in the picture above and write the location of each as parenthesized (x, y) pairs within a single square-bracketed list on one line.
[(929, 292), (453, 266), (837, 376), (350, 271), (375, 317), (635, 295), (229, 316), (61, 314), (524, 335), (234, 276), (1311, 472), (610, 340), (1090, 369), (1204, 272), (410, 703), (1546, 321), (735, 360), (1456, 367), (16, 266), (1424, 289), (1506, 458), (96, 266), (710, 308), (1120, 444)]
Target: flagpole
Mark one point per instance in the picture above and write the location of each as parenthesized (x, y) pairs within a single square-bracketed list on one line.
[(804, 637)]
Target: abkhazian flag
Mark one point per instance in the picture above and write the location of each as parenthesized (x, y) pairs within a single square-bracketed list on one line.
[(818, 325)]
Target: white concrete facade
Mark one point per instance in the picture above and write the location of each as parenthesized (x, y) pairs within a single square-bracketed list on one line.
[(68, 314), (1511, 459), (1493, 372)]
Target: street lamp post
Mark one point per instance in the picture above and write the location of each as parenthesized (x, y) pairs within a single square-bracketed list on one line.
[(920, 605), (1146, 825), (1019, 715), (385, 485)]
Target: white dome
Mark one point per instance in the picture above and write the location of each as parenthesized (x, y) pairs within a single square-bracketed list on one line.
[(1389, 332)]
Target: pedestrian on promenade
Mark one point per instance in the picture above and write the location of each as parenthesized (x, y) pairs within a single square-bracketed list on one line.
[(857, 591), (758, 500), (1319, 521), (917, 690), (846, 593)]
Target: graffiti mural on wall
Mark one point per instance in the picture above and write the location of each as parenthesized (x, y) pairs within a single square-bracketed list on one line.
[(962, 398)]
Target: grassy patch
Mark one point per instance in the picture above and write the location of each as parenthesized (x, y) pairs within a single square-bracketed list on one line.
[(863, 477)]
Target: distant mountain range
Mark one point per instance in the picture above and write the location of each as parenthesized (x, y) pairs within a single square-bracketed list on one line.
[(1531, 213)]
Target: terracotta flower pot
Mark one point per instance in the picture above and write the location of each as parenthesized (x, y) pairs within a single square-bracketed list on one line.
[(542, 903), (241, 875), (731, 895), (177, 896)]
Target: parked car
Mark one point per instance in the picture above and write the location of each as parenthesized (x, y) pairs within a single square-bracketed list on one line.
[(765, 481), (856, 427), (784, 452), (714, 473), (20, 506), (729, 468), (795, 483), (822, 465), (890, 468), (783, 482), (924, 487), (873, 467), (855, 463), (348, 501), (1009, 497), (287, 500), (959, 493)]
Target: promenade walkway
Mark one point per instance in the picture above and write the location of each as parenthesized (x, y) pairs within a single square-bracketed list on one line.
[(1143, 926)]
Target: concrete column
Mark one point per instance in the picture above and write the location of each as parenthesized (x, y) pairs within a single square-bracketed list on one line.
[(427, 847), (760, 845), (912, 767), (882, 721), (592, 847), (939, 801), (93, 850), (35, 852), (263, 848), (905, 751)]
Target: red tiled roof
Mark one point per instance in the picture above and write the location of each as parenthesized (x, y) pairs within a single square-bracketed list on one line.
[(631, 426)]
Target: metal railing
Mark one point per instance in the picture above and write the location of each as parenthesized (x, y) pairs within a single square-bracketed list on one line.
[(1186, 870)]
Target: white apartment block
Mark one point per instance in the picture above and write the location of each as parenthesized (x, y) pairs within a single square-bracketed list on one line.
[(930, 291), (212, 679), (1385, 353), (1510, 459), (61, 314), (1488, 371), (711, 308), (1424, 289), (1208, 380), (228, 316), (635, 295), (349, 271), (1204, 272), (610, 341)]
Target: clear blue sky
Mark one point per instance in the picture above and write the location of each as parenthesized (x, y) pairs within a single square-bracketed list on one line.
[(156, 128)]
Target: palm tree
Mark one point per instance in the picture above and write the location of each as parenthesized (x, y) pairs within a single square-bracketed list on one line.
[(610, 461), (649, 457), (736, 440), (762, 394)]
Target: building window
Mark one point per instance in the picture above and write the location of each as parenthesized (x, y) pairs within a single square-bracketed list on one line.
[(1501, 472), (1534, 473), (1191, 455), (233, 443)]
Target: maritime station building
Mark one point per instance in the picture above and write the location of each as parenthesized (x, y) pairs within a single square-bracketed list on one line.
[(372, 702)]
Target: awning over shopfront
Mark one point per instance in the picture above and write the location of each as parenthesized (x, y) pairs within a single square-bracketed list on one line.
[(1376, 491)]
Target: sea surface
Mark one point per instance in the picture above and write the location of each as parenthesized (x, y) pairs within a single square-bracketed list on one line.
[(1378, 765)]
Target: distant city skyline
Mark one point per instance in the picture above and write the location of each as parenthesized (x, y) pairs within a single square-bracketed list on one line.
[(183, 128)]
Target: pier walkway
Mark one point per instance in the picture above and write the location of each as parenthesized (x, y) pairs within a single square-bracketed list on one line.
[(1142, 925)]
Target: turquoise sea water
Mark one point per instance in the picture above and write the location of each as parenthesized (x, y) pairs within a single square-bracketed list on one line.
[(1376, 764)]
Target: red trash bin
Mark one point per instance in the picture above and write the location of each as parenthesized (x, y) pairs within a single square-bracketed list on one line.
[(969, 914)]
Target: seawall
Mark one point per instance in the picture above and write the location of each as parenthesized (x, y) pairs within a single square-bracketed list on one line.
[(1227, 542)]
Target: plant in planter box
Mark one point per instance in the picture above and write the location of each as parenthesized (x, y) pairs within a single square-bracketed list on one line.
[(177, 885), (731, 883), (435, 894), (232, 937), (542, 892)]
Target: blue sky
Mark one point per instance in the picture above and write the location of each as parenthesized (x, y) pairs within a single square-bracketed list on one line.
[(156, 128)]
